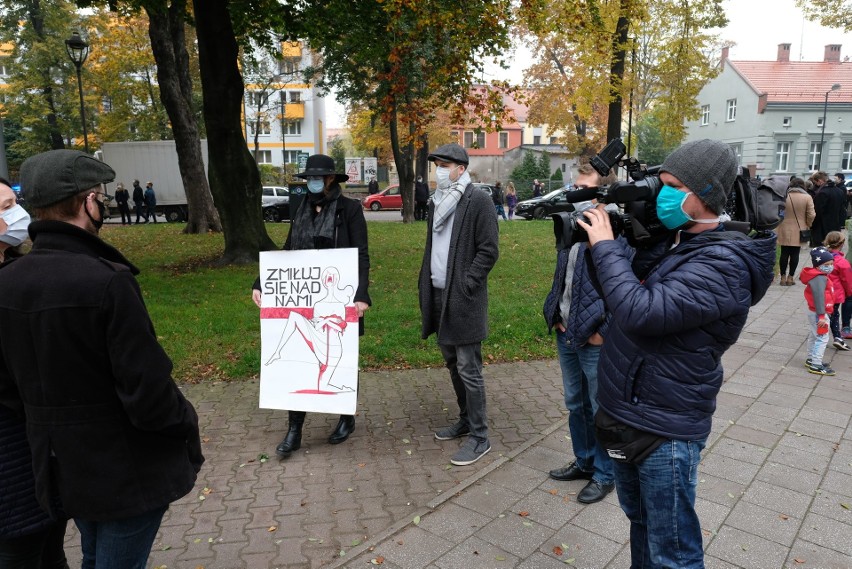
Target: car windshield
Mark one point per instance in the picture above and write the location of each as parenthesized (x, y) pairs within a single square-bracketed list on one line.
[(553, 194)]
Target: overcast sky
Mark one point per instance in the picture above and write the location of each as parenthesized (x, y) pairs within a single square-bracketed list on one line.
[(757, 27)]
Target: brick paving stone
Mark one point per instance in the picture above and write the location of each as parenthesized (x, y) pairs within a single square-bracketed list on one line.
[(769, 524), (453, 522), (828, 533), (587, 548), (740, 451), (753, 436), (515, 534), (806, 555), (728, 468), (743, 549), (789, 477), (605, 519), (475, 553), (413, 548)]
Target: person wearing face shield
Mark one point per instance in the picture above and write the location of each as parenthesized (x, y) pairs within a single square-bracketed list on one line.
[(461, 249), (675, 309), (29, 537), (326, 219), (113, 439)]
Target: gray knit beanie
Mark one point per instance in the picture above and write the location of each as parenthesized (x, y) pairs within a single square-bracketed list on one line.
[(707, 167)]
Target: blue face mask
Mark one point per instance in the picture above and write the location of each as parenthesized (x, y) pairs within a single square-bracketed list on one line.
[(670, 207), (826, 268), (316, 186)]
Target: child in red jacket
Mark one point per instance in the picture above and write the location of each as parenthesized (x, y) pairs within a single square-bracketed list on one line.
[(819, 293), (841, 279)]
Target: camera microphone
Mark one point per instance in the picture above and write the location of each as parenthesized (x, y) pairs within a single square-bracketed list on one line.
[(582, 194)]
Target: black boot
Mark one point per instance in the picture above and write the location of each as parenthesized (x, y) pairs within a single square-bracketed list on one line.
[(293, 439), (344, 428)]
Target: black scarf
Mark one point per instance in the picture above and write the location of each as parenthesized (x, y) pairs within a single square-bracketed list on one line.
[(315, 230)]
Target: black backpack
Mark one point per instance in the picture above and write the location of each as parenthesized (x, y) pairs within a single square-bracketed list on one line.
[(759, 203)]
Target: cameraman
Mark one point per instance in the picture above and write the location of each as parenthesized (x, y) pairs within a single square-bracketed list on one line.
[(660, 367)]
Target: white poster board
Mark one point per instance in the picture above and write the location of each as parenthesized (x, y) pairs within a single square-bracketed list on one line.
[(353, 170), (371, 168), (309, 330)]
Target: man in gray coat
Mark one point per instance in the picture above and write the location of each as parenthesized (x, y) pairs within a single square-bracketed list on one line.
[(461, 249)]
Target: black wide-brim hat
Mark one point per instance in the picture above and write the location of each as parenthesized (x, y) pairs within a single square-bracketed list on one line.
[(321, 165)]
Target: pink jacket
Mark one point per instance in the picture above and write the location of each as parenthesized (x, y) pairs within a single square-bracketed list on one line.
[(841, 278)]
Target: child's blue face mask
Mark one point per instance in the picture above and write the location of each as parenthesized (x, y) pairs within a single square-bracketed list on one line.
[(826, 267)]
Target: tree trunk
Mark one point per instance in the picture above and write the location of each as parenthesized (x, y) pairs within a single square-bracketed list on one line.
[(421, 163), (166, 30), (402, 158), (616, 74), (36, 16), (234, 177)]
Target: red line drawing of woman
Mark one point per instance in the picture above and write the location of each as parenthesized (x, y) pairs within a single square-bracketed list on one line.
[(321, 334)]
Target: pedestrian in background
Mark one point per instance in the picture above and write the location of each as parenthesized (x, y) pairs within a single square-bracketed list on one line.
[(150, 202), (139, 201), (798, 218), (421, 199), (122, 197), (373, 186), (841, 282), (461, 249), (497, 198), (819, 293), (536, 189), (113, 439), (511, 199)]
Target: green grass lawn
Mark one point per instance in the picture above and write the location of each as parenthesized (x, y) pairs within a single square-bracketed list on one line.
[(208, 324)]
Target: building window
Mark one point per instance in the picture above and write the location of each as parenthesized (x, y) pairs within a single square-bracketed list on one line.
[(257, 98), (705, 115), (291, 157), (264, 157), (787, 122), (846, 161), (563, 167), (819, 122), (293, 127), (732, 110), (471, 142), (537, 139), (262, 127), (782, 156), (814, 154), (504, 140), (288, 66), (738, 151), (454, 134), (295, 96)]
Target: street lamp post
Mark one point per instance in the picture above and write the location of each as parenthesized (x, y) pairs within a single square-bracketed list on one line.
[(78, 51), (834, 87)]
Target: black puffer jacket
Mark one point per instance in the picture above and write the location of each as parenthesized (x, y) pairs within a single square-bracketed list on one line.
[(108, 428)]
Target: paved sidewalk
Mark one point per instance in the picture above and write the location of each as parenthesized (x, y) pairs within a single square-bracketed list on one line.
[(775, 481)]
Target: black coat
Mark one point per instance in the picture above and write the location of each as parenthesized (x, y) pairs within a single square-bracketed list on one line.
[(421, 192), (830, 207), (138, 194), (122, 197), (109, 430)]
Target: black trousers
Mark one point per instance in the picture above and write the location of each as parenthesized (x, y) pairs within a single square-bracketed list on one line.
[(42, 550)]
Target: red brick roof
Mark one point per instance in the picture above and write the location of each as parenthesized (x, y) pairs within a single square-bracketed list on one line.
[(797, 81)]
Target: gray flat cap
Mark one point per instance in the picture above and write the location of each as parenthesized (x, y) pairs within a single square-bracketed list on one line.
[(451, 152), (52, 176)]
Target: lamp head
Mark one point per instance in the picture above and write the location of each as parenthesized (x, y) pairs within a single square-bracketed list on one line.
[(77, 48)]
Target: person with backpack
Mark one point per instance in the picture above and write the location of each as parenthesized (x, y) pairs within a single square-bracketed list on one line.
[(794, 229), (660, 368)]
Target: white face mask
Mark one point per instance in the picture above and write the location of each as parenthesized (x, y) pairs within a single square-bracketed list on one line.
[(442, 176), (17, 219)]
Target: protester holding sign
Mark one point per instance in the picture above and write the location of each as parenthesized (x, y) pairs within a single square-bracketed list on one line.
[(326, 220)]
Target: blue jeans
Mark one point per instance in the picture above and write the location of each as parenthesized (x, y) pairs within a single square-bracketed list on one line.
[(658, 497), (580, 383), (119, 544)]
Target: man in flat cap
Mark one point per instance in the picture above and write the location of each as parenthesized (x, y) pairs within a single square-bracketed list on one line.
[(113, 440), (461, 249), (660, 368)]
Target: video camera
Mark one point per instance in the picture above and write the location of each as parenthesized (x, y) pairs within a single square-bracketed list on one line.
[(638, 222)]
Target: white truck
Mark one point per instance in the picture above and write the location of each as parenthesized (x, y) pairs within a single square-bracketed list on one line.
[(153, 161)]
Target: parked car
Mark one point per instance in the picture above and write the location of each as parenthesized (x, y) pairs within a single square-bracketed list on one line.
[(276, 212), (389, 198), (275, 195), (543, 206)]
